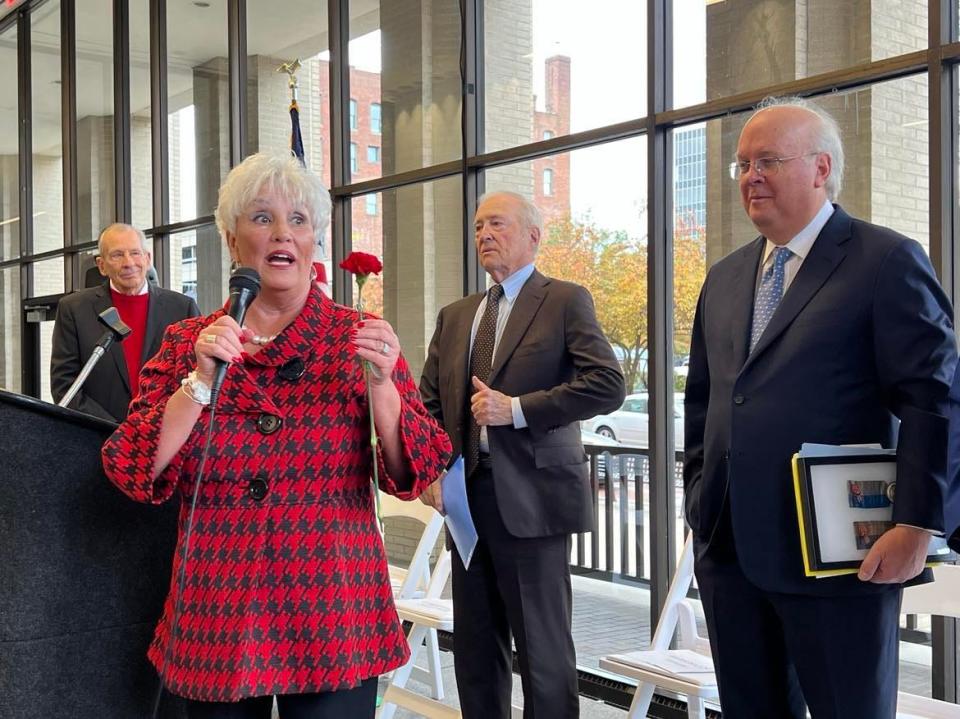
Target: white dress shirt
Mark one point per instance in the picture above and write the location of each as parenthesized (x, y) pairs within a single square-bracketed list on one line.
[(800, 246)]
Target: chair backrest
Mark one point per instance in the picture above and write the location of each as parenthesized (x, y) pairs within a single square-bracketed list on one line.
[(940, 597), (418, 578), (676, 597)]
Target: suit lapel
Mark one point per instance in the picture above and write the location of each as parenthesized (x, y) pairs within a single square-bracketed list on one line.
[(103, 301), (825, 256), (459, 349), (741, 300), (524, 308)]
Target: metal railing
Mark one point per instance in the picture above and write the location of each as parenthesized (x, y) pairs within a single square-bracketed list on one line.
[(620, 481)]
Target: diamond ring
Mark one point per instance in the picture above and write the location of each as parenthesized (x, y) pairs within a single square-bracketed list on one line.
[(385, 350)]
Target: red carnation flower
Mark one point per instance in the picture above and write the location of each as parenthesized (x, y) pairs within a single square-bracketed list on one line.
[(362, 264)]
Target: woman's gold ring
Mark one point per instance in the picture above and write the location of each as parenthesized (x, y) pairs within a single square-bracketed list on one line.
[(210, 339)]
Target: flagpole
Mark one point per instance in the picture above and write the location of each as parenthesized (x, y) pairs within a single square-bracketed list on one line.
[(296, 138), (290, 68)]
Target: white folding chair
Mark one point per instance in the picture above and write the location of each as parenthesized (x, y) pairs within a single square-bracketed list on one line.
[(415, 580), (412, 581), (942, 598), (693, 675), (426, 614)]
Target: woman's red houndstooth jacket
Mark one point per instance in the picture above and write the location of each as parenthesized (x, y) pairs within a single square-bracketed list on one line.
[(287, 588)]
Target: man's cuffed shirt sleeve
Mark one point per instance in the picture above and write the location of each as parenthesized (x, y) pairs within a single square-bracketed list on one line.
[(519, 421)]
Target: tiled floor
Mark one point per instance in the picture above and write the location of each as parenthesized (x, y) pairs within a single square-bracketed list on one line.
[(612, 618)]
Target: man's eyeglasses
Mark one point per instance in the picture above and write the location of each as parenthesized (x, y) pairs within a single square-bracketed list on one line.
[(762, 165)]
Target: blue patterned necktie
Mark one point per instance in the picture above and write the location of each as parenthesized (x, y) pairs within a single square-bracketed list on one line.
[(769, 294)]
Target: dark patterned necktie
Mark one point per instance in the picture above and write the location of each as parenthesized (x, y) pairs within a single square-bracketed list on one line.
[(481, 357)]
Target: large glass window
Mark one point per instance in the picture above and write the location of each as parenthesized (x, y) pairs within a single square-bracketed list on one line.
[(46, 123), (595, 235), (141, 134), (418, 236), (724, 48), (9, 151), (200, 267), (885, 135), (561, 66), (95, 176), (274, 39), (198, 106), (47, 280), (405, 78)]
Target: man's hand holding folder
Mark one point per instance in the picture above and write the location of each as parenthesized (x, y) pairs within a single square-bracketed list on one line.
[(897, 556)]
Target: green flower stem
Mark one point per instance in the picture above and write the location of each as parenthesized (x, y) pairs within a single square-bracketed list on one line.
[(367, 369)]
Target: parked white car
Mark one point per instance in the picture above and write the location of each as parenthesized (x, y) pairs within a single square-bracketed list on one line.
[(630, 425)]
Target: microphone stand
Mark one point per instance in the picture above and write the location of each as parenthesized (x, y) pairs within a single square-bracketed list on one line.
[(117, 331)]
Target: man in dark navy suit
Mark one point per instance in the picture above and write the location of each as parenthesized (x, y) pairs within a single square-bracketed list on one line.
[(824, 329)]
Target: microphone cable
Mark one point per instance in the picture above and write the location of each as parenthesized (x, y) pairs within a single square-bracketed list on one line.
[(244, 288), (181, 575)]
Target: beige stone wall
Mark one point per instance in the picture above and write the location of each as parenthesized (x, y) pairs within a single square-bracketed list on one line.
[(508, 71)]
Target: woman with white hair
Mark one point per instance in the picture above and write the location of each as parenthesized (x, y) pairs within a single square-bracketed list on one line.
[(285, 587)]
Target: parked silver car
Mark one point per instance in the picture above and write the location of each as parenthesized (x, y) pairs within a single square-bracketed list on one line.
[(630, 425)]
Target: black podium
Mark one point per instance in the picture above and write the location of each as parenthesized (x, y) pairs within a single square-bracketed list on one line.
[(83, 574)]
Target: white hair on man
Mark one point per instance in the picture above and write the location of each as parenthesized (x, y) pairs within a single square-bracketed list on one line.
[(826, 137), (281, 173), (121, 227), (530, 214)]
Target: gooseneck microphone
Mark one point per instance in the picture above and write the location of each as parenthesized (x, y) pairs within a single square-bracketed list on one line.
[(117, 331), (244, 288)]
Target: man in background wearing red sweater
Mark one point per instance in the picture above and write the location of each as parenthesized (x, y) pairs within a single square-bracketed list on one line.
[(146, 309)]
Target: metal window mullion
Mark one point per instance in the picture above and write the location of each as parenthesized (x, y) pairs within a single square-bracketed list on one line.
[(159, 134), (25, 166), (122, 127), (942, 153), (472, 129), (339, 33), (68, 129), (29, 342), (938, 113), (237, 54), (659, 314)]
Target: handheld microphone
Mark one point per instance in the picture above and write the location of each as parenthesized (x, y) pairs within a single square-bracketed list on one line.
[(244, 288)]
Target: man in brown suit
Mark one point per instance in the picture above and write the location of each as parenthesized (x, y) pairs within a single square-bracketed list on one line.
[(509, 374)]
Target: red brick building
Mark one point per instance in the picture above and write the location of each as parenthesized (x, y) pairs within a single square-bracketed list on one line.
[(551, 175)]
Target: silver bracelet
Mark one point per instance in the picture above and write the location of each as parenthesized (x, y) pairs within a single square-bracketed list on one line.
[(196, 389)]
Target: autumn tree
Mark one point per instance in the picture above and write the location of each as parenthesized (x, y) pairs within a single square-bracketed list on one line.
[(689, 271), (614, 268)]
